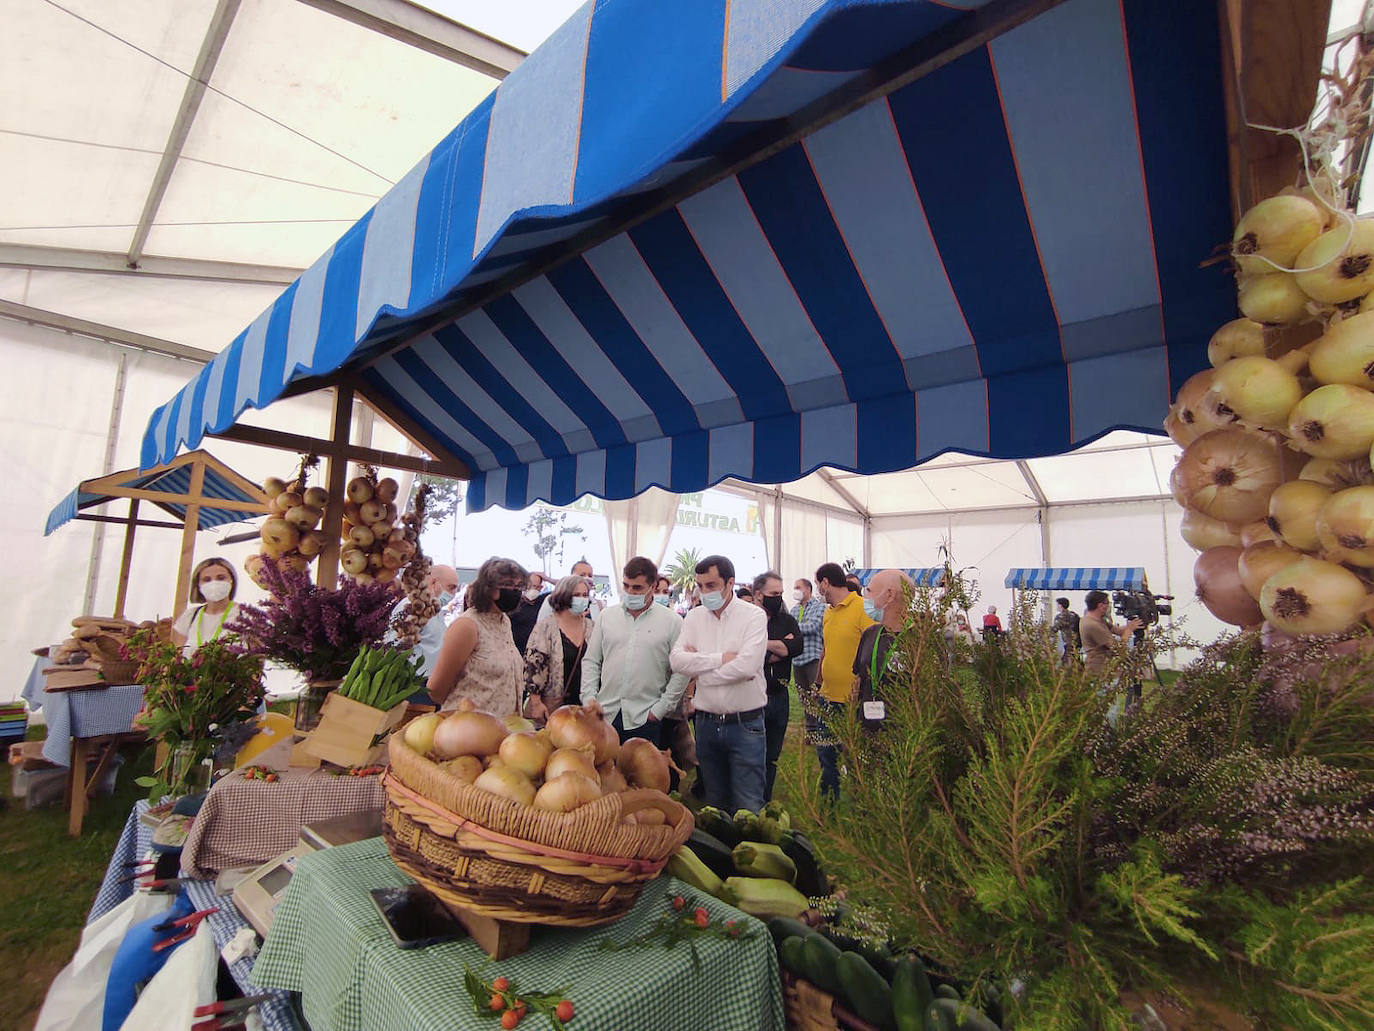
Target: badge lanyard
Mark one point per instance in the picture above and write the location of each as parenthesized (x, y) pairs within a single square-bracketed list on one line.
[(200, 623)]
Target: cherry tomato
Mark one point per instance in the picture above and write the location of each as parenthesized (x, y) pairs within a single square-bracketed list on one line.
[(679, 902), (510, 1018), (701, 917), (497, 1004), (564, 1012), (500, 984)]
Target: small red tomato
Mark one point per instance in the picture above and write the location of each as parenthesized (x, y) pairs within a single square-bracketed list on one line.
[(564, 1012), (679, 902), (701, 917), (497, 1004), (500, 984), (510, 1018), (520, 1011)]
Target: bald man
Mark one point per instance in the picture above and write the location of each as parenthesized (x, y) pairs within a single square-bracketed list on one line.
[(887, 601)]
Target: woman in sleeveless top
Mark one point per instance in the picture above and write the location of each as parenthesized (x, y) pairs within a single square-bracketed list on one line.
[(478, 660), (553, 656)]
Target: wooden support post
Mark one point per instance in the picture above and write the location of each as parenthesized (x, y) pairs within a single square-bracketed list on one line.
[(188, 537), (336, 478), (122, 589)]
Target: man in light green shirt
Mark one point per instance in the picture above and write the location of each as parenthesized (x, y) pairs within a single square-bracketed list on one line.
[(625, 670)]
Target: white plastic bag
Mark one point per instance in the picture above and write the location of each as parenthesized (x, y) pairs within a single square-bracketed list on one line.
[(76, 997), (186, 981)]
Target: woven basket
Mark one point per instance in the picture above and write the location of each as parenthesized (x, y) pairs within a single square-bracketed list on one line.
[(497, 858), (119, 673)]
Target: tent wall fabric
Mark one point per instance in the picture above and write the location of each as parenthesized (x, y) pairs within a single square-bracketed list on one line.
[(1000, 256)]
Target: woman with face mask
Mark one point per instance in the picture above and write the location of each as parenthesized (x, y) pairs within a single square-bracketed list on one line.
[(553, 656), (213, 586), (479, 660)]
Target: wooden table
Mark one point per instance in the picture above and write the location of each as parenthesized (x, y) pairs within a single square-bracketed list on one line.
[(82, 776)]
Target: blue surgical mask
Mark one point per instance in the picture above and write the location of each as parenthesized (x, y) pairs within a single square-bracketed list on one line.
[(635, 602), (444, 598), (663, 599), (713, 600), (579, 603), (872, 611)]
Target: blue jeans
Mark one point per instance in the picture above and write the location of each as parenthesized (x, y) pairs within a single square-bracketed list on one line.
[(649, 731), (828, 755), (733, 755), (775, 715)]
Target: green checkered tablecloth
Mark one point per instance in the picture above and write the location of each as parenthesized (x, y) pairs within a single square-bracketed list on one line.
[(329, 943)]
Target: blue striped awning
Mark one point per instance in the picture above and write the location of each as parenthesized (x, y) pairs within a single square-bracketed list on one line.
[(1090, 578), (170, 481), (687, 241), (932, 576)]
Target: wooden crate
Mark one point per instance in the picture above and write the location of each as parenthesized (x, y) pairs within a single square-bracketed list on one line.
[(347, 730)]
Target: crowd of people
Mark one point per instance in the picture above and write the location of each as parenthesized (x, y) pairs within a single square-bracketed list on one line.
[(711, 684)]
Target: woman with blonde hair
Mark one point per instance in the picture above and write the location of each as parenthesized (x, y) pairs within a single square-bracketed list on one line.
[(213, 586), (553, 656)]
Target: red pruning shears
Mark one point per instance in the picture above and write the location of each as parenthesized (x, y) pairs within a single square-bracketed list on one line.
[(185, 928), (226, 1015), (162, 884)]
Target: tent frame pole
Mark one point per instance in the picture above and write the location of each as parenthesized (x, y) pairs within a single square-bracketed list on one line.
[(336, 478), (122, 589), (188, 537)]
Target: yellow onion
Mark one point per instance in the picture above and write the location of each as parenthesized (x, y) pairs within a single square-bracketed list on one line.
[(1237, 339), (650, 817), (1254, 533), (1274, 299), (1336, 473), (1345, 527), (1334, 421), (1179, 431), (1176, 488), (419, 732), (518, 724), (1229, 475), (1342, 263), (1293, 509), (1257, 389), (469, 733), (643, 765), (571, 760), (507, 782), (1216, 575), (526, 753), (1345, 352), (1203, 532), (1260, 561), (1277, 229), (573, 726), (1313, 596), (1192, 407), (612, 779), (564, 793), (466, 767), (607, 743)]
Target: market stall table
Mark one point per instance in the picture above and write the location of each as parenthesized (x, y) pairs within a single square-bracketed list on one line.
[(79, 721), (329, 943), (277, 1012)]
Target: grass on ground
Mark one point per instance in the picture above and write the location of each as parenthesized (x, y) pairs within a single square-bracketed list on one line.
[(50, 881)]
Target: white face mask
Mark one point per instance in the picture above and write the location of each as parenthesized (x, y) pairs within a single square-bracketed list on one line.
[(796, 595), (215, 590), (531, 593)]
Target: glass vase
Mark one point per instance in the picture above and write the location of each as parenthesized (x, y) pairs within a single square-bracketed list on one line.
[(189, 774), (310, 703)]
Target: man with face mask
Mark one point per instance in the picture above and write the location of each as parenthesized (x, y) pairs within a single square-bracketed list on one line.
[(809, 612), (784, 645), (526, 614), (886, 600), (443, 585)]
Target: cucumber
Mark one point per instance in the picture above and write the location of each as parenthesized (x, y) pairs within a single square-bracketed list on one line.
[(792, 955), (944, 991), (864, 989), (939, 1019), (911, 994), (992, 1004), (878, 958), (811, 880), (782, 928), (718, 824), (713, 852), (822, 959), (960, 1016)]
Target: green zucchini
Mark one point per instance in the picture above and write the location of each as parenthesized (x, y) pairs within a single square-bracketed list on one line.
[(992, 1004), (755, 859), (864, 989), (811, 880), (686, 866), (944, 991), (783, 927), (775, 811), (713, 852), (792, 955), (960, 1016), (911, 994), (822, 959), (718, 824), (939, 1019)]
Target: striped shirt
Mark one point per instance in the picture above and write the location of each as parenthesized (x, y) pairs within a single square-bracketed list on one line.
[(810, 616)]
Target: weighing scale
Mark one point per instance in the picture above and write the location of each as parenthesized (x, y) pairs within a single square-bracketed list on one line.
[(258, 894)]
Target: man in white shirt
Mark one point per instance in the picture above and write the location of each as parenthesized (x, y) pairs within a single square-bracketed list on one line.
[(443, 585), (722, 645), (626, 669)]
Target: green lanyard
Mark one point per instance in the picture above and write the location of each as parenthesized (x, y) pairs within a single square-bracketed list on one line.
[(200, 620)]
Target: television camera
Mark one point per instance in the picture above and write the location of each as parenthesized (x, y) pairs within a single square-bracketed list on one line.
[(1142, 605)]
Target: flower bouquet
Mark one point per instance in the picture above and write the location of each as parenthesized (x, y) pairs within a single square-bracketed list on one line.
[(189, 703)]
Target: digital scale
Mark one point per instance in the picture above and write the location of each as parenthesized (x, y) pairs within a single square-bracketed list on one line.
[(258, 894)]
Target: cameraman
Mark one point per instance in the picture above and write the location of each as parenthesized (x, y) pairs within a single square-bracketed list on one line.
[(1100, 637)]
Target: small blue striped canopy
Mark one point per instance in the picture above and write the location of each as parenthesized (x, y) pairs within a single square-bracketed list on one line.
[(1088, 578), (931, 576), (173, 481), (740, 238)]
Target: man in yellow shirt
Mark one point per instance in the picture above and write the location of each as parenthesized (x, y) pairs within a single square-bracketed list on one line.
[(845, 622)]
